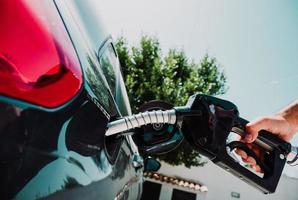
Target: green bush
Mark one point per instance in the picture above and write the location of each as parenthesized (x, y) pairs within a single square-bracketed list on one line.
[(172, 78)]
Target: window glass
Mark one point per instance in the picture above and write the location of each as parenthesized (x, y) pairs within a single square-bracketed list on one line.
[(110, 67), (95, 79), (151, 191), (179, 194)]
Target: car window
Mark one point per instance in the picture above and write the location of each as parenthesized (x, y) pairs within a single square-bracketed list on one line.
[(110, 66)]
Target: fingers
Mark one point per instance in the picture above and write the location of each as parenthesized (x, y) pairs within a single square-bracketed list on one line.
[(257, 168), (274, 124), (241, 153), (251, 161), (253, 128)]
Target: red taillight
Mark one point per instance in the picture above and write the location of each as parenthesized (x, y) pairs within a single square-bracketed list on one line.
[(38, 63)]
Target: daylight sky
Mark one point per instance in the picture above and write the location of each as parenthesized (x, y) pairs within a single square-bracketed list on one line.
[(256, 42)]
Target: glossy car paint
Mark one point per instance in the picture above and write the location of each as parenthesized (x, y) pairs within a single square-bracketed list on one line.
[(63, 153), (36, 55)]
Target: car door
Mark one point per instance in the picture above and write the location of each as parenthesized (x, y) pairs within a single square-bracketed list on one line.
[(104, 85), (110, 66)]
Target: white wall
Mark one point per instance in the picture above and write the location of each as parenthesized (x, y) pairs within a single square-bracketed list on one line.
[(167, 190), (220, 183)]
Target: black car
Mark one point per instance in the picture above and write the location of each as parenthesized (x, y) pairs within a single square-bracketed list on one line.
[(60, 84), (62, 102)]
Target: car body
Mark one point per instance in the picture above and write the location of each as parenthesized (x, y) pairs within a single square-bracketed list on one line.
[(60, 84)]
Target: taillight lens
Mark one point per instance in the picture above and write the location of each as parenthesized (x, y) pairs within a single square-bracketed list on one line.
[(38, 63)]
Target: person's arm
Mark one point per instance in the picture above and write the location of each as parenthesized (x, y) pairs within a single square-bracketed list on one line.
[(284, 124)]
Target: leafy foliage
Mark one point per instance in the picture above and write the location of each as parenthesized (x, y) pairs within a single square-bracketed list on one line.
[(172, 78)]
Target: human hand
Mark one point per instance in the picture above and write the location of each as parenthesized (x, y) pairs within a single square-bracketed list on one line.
[(277, 124), (284, 124)]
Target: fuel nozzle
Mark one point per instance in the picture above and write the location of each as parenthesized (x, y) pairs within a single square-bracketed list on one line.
[(209, 134), (206, 123)]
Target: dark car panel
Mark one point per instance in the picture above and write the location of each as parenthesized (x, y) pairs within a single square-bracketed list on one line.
[(63, 153)]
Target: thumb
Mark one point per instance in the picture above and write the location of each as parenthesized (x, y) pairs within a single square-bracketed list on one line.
[(254, 127)]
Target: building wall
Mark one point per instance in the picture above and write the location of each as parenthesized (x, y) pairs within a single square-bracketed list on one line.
[(167, 190), (221, 184)]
